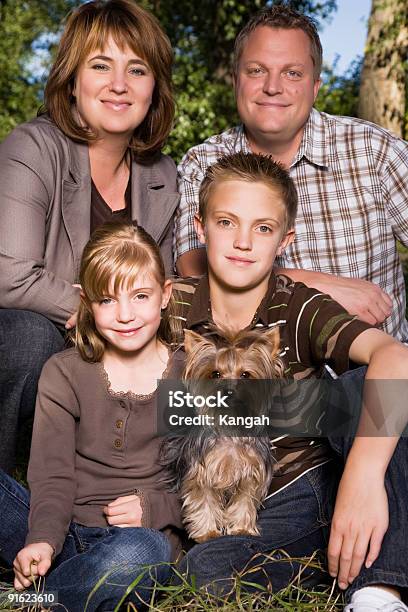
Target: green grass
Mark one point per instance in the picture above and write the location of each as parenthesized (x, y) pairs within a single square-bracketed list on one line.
[(186, 596)]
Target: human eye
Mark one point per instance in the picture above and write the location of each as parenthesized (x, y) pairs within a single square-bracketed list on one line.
[(141, 296), (137, 71), (105, 301), (255, 70), (224, 223), (100, 67), (264, 229), (294, 75)]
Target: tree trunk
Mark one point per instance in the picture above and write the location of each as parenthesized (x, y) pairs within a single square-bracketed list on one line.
[(383, 78)]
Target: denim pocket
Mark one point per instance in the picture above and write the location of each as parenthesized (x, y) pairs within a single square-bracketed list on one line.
[(88, 536), (300, 509), (324, 482)]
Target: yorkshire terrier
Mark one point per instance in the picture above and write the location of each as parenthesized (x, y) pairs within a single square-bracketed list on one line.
[(223, 479)]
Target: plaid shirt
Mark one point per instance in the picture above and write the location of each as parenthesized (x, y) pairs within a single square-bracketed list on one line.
[(352, 182)]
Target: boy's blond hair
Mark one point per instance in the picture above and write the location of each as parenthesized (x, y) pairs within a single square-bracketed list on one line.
[(252, 168)]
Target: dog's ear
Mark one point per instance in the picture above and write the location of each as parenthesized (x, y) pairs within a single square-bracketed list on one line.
[(273, 338), (192, 340)]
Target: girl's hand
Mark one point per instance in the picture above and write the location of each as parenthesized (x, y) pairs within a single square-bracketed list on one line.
[(124, 512), (32, 561), (359, 523)]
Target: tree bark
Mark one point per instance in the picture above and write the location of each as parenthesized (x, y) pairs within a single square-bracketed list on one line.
[(383, 79)]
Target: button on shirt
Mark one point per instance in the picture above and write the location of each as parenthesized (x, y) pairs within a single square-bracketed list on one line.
[(352, 182)]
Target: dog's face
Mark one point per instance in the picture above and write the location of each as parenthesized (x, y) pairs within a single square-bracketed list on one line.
[(247, 355)]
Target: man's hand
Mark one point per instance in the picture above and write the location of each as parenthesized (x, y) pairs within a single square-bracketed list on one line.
[(32, 561), (359, 297), (124, 512), (192, 263), (359, 523)]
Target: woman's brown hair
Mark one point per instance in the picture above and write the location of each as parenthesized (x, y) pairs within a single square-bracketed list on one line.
[(118, 253), (88, 28)]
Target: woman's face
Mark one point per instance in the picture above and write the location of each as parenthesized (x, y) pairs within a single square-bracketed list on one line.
[(113, 90)]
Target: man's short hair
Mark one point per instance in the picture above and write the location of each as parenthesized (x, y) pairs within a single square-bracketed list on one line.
[(281, 16), (252, 168)]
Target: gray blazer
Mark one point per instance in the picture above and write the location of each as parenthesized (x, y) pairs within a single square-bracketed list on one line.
[(45, 199)]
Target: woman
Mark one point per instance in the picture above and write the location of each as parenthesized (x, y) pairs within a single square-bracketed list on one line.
[(91, 156)]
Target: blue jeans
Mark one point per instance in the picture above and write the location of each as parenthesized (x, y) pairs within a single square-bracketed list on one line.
[(293, 523), (27, 340), (88, 555), (296, 521)]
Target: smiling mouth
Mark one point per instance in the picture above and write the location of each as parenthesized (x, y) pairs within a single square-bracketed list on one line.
[(273, 104), (128, 332), (116, 106), (240, 261)]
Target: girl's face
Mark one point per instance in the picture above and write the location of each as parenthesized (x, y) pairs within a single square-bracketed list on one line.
[(113, 90), (129, 319)]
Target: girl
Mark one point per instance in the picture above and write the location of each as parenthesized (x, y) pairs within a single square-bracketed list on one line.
[(97, 506)]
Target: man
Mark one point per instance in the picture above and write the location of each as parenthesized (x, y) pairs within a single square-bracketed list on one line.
[(351, 176)]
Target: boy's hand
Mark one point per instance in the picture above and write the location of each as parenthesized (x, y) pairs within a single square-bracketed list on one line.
[(32, 561), (124, 512), (359, 523)]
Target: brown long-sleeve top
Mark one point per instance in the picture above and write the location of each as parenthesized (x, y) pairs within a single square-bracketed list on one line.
[(91, 445)]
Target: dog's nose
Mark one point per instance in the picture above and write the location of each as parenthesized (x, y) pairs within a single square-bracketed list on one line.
[(230, 384)]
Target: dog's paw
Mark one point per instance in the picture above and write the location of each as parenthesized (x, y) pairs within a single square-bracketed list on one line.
[(211, 535), (244, 532)]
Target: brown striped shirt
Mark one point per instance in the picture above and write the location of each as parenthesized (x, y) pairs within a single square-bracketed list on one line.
[(314, 331)]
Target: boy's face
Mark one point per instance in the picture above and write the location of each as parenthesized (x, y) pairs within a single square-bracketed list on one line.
[(243, 232)]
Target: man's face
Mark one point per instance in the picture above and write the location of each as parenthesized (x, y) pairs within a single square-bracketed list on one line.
[(275, 86), (244, 230)]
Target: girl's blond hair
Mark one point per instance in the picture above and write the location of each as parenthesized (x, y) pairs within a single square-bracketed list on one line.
[(120, 252)]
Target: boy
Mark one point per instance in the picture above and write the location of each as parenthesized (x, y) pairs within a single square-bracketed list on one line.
[(246, 218)]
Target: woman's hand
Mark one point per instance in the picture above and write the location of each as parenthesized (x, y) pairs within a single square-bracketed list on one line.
[(124, 512), (32, 561), (359, 523), (72, 321)]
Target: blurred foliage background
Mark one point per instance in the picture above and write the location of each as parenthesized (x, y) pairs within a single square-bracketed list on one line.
[(202, 34)]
